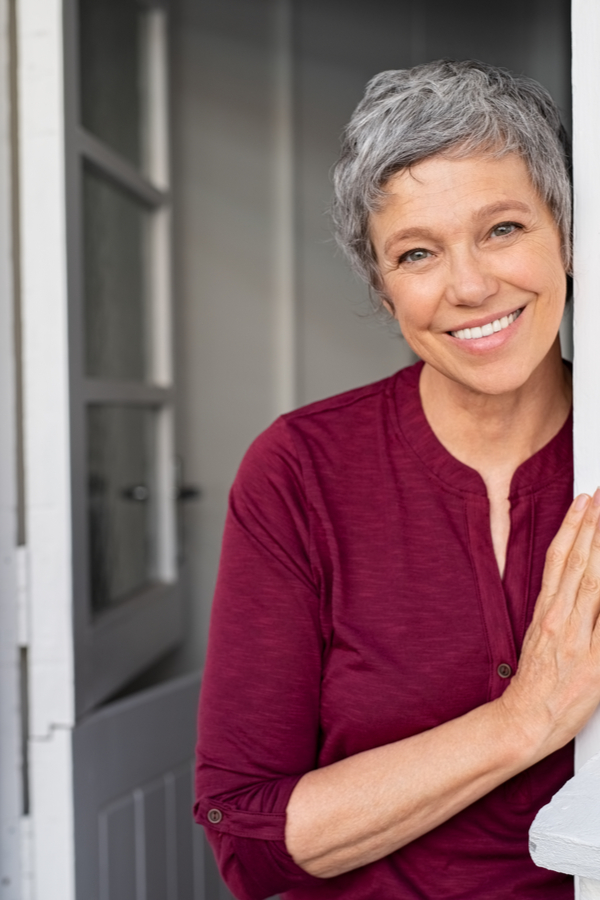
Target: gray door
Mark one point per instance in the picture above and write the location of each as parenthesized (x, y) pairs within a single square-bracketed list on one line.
[(132, 758), (133, 770)]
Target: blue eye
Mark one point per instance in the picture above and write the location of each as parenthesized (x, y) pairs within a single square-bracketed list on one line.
[(414, 255), (505, 228)]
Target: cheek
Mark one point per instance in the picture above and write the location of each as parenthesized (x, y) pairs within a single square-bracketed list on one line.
[(539, 273), (413, 301)]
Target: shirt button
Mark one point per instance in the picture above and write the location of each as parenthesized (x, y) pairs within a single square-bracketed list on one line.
[(214, 816), (504, 670)]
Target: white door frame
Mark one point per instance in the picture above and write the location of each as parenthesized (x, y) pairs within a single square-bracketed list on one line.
[(586, 319), (11, 794), (585, 26), (48, 625), (46, 442)]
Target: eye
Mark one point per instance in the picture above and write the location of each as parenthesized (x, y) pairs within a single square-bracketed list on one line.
[(504, 229), (412, 256)]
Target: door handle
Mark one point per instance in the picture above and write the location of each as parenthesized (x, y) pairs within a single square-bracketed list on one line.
[(187, 492), (138, 493)]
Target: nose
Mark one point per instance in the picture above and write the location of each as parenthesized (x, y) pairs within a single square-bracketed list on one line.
[(470, 283)]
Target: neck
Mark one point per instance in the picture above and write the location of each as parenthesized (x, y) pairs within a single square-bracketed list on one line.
[(495, 433)]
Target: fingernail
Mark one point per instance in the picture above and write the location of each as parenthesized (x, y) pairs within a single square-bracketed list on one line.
[(581, 502), (597, 497)]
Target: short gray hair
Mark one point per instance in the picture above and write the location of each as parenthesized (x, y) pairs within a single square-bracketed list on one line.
[(460, 108)]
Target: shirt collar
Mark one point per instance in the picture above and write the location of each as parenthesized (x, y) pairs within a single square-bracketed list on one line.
[(553, 461)]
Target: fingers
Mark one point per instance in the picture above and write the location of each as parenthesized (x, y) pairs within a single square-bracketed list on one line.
[(560, 549), (581, 555), (588, 597)]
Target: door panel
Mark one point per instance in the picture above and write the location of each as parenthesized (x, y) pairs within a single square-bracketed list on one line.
[(127, 604), (133, 786)]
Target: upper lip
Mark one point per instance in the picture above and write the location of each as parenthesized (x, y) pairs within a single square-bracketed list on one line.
[(486, 320)]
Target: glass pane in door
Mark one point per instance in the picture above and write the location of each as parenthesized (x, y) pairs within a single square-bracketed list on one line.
[(115, 232), (111, 74), (121, 501)]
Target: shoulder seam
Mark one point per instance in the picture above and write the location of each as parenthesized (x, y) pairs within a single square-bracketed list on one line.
[(340, 401)]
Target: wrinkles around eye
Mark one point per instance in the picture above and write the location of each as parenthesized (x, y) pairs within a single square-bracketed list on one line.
[(413, 256)]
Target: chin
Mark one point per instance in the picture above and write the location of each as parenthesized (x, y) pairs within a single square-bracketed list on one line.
[(496, 380)]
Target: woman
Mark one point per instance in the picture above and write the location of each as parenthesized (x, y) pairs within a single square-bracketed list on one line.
[(396, 668)]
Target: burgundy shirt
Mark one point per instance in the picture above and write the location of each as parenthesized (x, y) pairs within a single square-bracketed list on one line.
[(359, 602)]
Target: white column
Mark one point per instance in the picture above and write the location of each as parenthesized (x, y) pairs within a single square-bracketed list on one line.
[(46, 435), (285, 362), (586, 326), (10, 724), (566, 834)]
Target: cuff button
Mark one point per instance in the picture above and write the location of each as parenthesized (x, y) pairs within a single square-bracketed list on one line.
[(504, 670), (214, 816)]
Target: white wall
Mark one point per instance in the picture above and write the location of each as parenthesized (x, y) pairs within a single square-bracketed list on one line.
[(11, 800), (225, 59)]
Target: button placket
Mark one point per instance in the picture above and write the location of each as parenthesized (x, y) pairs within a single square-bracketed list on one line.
[(492, 598)]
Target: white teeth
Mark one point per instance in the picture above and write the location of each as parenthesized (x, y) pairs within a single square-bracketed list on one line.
[(467, 334)]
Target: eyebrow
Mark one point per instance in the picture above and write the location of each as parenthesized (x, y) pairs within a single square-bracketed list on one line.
[(492, 209)]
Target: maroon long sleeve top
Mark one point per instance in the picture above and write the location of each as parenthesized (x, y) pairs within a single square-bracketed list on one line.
[(359, 602)]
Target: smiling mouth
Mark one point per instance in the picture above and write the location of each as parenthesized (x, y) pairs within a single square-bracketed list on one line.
[(467, 334)]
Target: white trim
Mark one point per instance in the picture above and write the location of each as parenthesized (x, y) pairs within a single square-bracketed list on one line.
[(166, 536), (109, 163), (565, 835), (26, 862), (156, 145), (22, 561), (123, 392), (10, 721), (47, 441), (285, 356), (586, 326), (160, 297)]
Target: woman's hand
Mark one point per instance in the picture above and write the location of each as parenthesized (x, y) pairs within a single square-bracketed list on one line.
[(366, 806), (362, 808), (557, 686)]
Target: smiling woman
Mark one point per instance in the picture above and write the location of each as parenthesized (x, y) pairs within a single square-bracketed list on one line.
[(405, 635), (488, 249)]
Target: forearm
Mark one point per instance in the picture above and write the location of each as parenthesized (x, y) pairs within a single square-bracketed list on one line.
[(362, 808)]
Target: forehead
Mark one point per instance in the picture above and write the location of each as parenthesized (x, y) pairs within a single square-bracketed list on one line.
[(443, 190)]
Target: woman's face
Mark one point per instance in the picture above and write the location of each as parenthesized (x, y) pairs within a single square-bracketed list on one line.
[(471, 264)]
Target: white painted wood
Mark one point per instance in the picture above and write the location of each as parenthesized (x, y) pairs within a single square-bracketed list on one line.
[(157, 167), (155, 76), (119, 169), (26, 860), (565, 835), (161, 297), (46, 433), (166, 537), (10, 722), (52, 838), (588, 889), (22, 562), (586, 327), (45, 346), (285, 361)]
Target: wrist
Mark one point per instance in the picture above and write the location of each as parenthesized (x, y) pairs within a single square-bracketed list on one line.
[(527, 730)]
